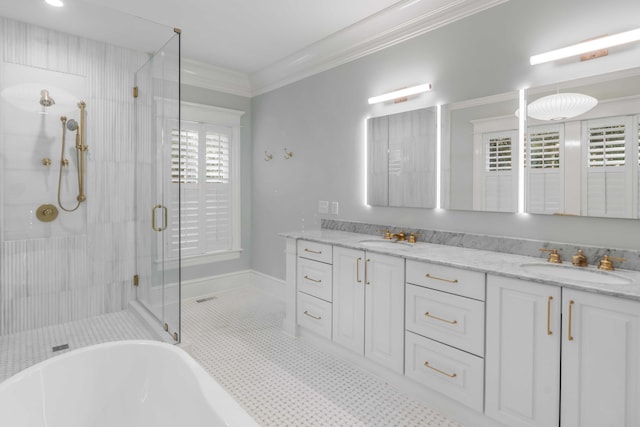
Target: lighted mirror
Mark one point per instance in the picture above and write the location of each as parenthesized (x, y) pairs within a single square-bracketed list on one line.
[(584, 163), (401, 159), (479, 154)]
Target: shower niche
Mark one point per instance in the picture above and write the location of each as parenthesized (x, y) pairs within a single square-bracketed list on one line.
[(38, 176)]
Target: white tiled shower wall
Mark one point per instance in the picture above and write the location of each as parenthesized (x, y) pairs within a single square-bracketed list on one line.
[(87, 270)]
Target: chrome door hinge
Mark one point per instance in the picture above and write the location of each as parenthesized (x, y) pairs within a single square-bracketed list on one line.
[(136, 280)]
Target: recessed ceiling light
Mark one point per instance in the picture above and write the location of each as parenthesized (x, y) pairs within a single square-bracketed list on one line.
[(55, 3)]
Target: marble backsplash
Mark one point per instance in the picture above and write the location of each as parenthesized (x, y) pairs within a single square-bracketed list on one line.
[(493, 243)]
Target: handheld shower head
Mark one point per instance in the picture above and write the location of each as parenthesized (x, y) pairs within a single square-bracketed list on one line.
[(72, 125), (45, 99)]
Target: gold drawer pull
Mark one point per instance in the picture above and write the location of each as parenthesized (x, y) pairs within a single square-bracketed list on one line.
[(451, 322), (358, 270), (428, 276), (313, 252), (569, 336), (549, 332), (439, 371), (312, 316), (313, 280)]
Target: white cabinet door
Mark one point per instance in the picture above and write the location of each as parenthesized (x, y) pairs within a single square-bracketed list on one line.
[(522, 360), (600, 360), (384, 310), (348, 298)]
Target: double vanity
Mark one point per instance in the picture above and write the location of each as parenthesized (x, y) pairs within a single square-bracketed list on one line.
[(516, 338)]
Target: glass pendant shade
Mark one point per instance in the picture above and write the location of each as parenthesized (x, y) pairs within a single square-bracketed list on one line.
[(561, 106)]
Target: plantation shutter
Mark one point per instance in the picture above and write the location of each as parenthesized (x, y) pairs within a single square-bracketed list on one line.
[(545, 170), (202, 166), (608, 173), (500, 173)]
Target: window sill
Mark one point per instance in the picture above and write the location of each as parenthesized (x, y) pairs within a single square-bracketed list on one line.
[(191, 261)]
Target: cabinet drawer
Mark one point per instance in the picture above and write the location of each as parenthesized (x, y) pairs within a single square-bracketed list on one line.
[(451, 319), (315, 278), (447, 279), (315, 251), (447, 370), (314, 314)]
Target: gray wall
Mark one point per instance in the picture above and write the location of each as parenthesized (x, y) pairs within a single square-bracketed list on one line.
[(321, 119), (234, 102)]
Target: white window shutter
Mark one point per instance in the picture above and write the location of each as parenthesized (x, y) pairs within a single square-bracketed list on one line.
[(500, 171), (609, 174), (201, 163), (545, 169)]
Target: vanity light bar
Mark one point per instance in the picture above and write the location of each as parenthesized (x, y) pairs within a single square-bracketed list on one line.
[(400, 93), (586, 47)]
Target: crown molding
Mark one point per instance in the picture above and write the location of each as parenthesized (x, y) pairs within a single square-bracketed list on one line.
[(386, 28), (199, 74), (377, 32)]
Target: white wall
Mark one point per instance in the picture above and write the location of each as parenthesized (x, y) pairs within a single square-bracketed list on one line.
[(321, 119)]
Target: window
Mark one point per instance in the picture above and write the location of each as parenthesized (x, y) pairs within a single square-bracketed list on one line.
[(500, 173), (206, 165), (544, 169), (608, 190)]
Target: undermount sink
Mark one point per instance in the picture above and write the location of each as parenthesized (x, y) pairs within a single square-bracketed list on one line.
[(583, 274), (385, 244)]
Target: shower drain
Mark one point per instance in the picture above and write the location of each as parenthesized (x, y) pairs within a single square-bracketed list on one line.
[(206, 299), (60, 347)]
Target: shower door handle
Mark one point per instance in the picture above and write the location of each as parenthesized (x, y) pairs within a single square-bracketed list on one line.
[(165, 218)]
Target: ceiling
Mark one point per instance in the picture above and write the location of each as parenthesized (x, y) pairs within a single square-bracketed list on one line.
[(266, 43)]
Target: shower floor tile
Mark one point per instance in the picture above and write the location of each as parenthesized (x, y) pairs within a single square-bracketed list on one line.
[(282, 381), (21, 350)]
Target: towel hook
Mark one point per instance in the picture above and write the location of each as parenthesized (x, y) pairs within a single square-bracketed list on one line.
[(287, 154)]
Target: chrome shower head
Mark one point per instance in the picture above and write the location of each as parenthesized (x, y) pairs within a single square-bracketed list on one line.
[(45, 99), (72, 125)]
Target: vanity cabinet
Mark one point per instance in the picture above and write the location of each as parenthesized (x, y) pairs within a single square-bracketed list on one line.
[(368, 305), (522, 355), (445, 330), (579, 369), (314, 287), (600, 360)]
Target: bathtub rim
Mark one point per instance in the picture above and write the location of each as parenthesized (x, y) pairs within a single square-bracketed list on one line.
[(225, 406)]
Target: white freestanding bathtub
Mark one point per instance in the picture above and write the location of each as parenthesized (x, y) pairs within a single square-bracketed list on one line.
[(124, 383)]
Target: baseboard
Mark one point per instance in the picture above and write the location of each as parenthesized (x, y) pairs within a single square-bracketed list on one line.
[(225, 282)]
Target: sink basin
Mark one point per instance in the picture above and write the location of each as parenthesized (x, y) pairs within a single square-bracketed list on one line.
[(583, 274), (385, 244)]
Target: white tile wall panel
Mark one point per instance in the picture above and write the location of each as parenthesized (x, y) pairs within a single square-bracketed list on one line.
[(80, 265)]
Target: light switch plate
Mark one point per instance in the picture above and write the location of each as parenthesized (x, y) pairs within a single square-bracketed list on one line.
[(323, 207)]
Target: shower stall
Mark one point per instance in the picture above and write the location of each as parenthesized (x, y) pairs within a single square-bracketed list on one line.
[(89, 187)]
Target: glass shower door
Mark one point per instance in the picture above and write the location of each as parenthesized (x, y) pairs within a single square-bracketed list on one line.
[(157, 186)]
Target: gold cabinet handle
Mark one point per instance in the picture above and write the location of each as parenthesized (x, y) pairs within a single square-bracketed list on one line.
[(313, 280), (312, 251), (569, 336), (429, 276), (366, 272), (439, 371), (358, 270), (312, 316), (451, 322), (549, 315)]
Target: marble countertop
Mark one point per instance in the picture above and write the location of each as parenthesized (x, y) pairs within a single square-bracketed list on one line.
[(517, 266)]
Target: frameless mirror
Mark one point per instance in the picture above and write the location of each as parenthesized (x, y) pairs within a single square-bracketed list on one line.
[(585, 164), (479, 152), (401, 159), (575, 163)]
